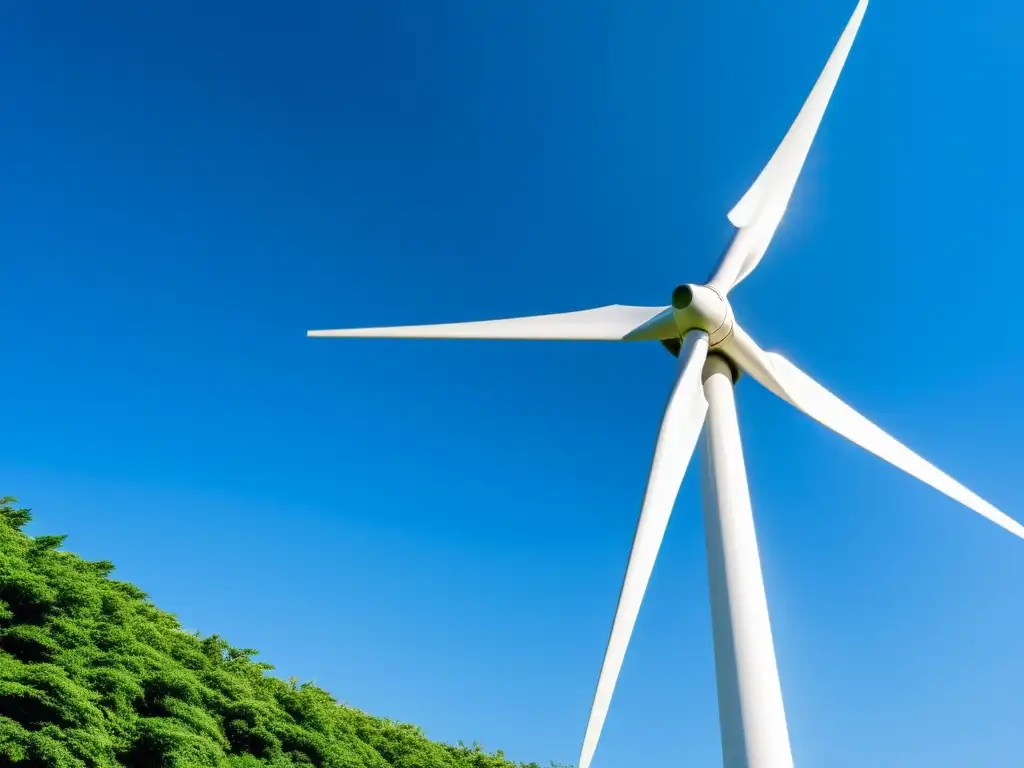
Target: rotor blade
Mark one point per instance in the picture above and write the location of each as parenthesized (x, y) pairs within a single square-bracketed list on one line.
[(762, 207), (677, 438), (786, 380), (612, 323)]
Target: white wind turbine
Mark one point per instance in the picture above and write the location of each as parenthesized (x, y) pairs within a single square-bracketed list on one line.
[(700, 329)]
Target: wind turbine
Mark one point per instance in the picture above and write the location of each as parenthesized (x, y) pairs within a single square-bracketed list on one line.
[(700, 329)]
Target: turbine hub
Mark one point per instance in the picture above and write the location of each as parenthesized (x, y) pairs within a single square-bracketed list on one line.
[(703, 308)]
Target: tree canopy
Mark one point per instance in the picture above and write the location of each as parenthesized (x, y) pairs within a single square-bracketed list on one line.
[(92, 674)]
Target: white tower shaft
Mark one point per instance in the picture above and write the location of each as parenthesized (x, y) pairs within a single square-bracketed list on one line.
[(751, 713)]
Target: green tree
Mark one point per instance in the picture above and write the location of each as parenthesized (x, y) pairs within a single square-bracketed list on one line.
[(93, 675)]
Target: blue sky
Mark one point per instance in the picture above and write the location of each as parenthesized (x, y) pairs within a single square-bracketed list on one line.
[(436, 532)]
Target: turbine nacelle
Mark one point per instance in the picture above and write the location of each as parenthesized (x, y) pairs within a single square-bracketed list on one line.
[(702, 308)]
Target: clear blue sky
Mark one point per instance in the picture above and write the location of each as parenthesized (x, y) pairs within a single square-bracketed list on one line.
[(436, 532)]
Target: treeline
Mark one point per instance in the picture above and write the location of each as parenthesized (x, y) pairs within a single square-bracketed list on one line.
[(93, 675)]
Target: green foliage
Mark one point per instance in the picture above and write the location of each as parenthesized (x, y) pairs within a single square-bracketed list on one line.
[(92, 675)]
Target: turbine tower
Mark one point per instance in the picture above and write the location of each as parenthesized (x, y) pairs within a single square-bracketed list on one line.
[(712, 348)]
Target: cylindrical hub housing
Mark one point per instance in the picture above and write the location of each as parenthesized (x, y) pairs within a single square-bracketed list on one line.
[(700, 307)]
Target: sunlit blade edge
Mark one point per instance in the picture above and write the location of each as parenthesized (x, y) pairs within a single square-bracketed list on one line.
[(781, 377), (611, 323)]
